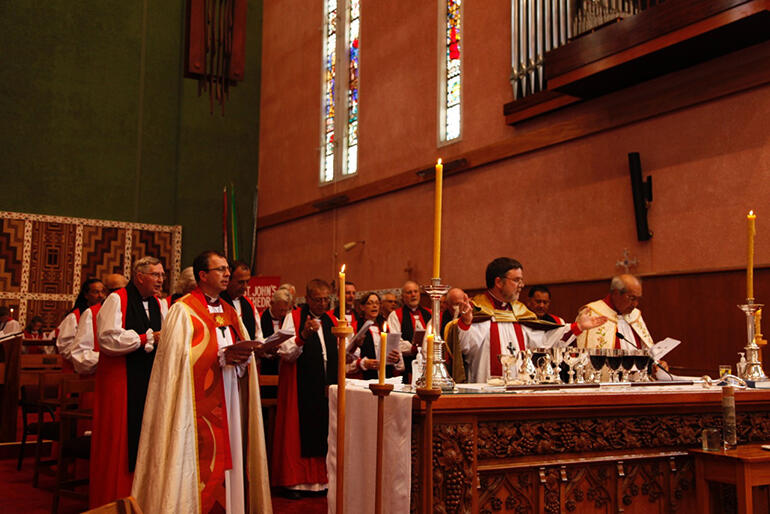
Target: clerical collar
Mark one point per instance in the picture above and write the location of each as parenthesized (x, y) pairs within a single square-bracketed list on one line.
[(214, 302), (497, 303)]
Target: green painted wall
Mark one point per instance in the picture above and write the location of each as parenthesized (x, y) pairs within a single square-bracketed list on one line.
[(98, 122)]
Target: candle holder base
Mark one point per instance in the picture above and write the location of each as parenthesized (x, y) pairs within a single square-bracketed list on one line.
[(342, 330), (381, 390), (442, 380), (753, 370), (428, 395)]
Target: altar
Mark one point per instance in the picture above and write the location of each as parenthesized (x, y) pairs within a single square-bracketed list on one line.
[(613, 448)]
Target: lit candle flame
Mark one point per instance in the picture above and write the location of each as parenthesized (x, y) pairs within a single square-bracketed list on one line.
[(751, 212), (439, 160), (385, 327), (342, 270)]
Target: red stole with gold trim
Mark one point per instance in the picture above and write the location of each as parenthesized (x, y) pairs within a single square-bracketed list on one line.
[(214, 456)]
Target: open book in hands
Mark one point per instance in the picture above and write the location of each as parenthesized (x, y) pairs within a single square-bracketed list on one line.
[(267, 346), (357, 339)]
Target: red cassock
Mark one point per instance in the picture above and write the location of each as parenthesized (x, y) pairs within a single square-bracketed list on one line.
[(109, 477), (289, 467)]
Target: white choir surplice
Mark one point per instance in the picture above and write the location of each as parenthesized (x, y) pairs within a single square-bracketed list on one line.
[(66, 335), (82, 351), (474, 343)]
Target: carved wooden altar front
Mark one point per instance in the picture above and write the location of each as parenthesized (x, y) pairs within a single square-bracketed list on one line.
[(581, 452)]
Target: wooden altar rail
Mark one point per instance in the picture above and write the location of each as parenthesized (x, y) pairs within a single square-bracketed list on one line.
[(579, 452)]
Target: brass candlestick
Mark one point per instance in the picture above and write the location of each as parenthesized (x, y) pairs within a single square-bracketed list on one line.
[(341, 331), (753, 369), (441, 377), (380, 391)]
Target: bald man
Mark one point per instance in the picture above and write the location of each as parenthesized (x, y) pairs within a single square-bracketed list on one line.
[(406, 320), (624, 327), (454, 298)]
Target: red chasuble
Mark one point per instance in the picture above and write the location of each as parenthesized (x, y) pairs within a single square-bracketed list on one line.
[(185, 447), (214, 456)]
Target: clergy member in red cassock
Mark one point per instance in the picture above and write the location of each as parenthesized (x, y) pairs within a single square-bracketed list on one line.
[(235, 295), (192, 444), (308, 366), (406, 319), (496, 323), (85, 350), (127, 325), (92, 292)]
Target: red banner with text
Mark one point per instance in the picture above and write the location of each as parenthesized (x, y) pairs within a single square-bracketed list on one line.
[(261, 290)]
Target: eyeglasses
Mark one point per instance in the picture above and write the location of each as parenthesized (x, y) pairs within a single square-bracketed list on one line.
[(221, 269), (155, 274), (322, 299), (516, 280), (632, 298)]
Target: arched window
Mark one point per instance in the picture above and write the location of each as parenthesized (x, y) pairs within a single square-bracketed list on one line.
[(339, 145)]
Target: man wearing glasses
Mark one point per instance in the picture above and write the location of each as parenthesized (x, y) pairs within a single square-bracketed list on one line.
[(496, 323), (196, 429), (308, 367), (127, 325), (625, 327)]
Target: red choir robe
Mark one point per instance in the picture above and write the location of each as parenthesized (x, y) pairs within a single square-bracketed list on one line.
[(297, 458), (110, 475)]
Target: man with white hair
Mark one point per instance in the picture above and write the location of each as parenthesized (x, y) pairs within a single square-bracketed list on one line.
[(625, 327), (406, 319), (271, 321), (128, 325)]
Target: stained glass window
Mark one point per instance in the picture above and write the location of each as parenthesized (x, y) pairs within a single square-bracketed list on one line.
[(451, 72), (330, 58), (353, 51), (339, 154)]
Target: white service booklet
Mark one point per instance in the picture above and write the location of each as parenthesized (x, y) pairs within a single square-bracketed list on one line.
[(662, 348), (356, 340)]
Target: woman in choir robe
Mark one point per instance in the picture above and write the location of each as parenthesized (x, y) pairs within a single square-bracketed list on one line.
[(366, 362), (34, 330)]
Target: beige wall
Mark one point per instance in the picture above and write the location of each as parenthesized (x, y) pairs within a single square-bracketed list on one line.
[(564, 211)]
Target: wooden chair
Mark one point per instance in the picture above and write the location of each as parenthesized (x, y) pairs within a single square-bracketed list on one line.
[(71, 445), (42, 429), (269, 406), (49, 391), (10, 349), (122, 506)]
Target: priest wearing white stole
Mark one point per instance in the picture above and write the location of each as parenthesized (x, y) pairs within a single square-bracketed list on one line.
[(496, 323), (194, 433), (624, 328)]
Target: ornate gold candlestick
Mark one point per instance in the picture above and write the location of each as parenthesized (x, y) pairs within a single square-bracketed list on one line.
[(753, 369), (380, 391), (341, 331), (441, 377)]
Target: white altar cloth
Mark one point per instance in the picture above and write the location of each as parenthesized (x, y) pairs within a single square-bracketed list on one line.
[(361, 451)]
